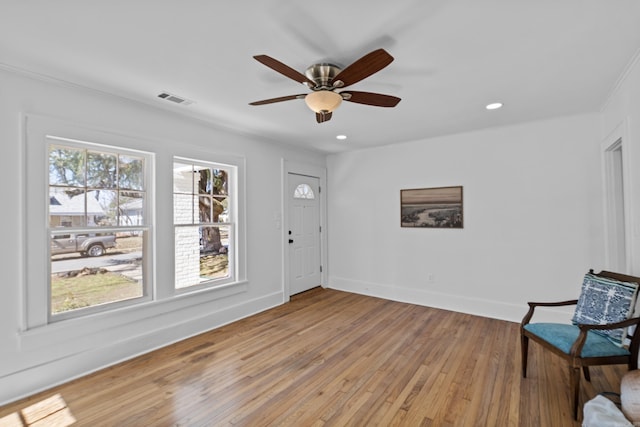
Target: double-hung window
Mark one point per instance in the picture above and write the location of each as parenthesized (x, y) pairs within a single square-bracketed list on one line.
[(88, 225), (204, 223), (97, 218), (90, 252)]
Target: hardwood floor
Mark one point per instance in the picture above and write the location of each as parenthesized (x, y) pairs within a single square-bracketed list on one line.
[(330, 358)]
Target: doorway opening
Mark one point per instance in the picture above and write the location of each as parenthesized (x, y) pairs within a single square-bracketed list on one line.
[(304, 233), (304, 228), (616, 217)]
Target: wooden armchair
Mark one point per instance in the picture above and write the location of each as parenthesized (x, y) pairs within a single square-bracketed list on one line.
[(582, 345)]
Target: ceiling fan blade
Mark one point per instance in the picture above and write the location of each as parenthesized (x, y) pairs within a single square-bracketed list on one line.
[(283, 69), (323, 117), (369, 98), (280, 99), (364, 67)]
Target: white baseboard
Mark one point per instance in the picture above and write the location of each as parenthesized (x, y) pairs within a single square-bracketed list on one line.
[(17, 385), (476, 306)]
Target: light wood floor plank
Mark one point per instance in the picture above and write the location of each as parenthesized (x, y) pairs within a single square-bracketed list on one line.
[(330, 358)]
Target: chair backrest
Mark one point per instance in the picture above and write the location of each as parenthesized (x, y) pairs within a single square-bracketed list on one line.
[(607, 298), (617, 276), (633, 333), (622, 278)]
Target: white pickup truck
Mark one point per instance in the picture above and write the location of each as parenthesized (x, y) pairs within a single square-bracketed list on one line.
[(86, 244)]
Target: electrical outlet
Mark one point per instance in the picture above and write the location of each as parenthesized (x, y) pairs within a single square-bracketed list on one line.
[(431, 278)]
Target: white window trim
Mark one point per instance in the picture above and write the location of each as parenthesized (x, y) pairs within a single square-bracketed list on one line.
[(39, 132), (237, 195), (80, 333), (233, 169)]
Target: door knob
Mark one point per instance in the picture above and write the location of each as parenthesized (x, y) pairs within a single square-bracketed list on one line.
[(290, 240)]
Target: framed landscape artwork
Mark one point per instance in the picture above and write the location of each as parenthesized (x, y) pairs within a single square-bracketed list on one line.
[(431, 207)]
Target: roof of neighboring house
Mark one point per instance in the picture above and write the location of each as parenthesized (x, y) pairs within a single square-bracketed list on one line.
[(133, 205), (61, 204)]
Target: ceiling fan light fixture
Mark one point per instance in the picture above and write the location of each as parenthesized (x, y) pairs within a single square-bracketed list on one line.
[(323, 101), (324, 79)]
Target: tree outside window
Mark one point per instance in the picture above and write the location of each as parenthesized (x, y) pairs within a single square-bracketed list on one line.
[(204, 230), (96, 227)]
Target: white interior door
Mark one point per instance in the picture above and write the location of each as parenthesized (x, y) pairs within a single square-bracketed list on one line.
[(304, 233)]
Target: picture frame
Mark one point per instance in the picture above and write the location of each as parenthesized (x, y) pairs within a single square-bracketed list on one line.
[(438, 207)]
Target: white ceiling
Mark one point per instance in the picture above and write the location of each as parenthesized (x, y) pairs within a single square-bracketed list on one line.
[(541, 58)]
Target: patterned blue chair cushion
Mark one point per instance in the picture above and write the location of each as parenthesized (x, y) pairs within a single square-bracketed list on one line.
[(604, 301), (563, 336)]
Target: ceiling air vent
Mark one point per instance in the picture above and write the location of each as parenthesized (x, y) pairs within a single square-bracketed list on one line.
[(175, 98)]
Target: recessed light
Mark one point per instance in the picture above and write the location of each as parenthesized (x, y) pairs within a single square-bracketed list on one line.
[(341, 137), (494, 106)]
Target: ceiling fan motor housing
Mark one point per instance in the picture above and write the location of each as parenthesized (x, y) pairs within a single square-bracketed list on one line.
[(322, 75)]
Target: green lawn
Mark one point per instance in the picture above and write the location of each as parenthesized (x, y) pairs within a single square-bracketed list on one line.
[(100, 287), (214, 266), (69, 293)]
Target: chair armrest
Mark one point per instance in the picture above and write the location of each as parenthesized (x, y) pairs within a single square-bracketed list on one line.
[(553, 304), (532, 306), (576, 348), (623, 324)]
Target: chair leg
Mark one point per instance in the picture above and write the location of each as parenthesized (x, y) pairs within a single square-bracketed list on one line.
[(574, 379), (587, 375), (524, 344)]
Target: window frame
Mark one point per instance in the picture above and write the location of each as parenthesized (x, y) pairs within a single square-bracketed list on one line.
[(76, 333), (304, 192), (40, 134), (146, 286), (232, 169)]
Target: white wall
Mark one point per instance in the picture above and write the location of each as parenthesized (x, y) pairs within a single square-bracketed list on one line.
[(532, 203), (30, 361), (621, 115), (532, 218)]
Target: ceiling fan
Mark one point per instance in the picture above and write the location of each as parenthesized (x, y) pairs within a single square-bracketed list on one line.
[(325, 79)]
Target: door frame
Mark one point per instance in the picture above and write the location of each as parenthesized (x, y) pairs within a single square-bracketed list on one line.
[(617, 139), (298, 168)]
